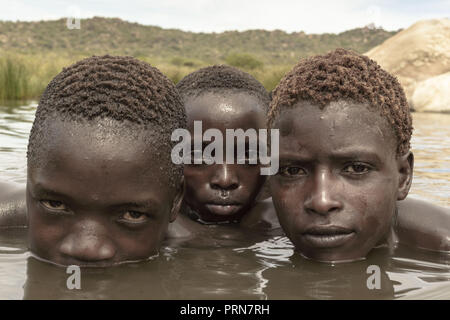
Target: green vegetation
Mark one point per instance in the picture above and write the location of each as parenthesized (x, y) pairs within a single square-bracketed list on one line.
[(26, 76), (31, 53), (13, 79), (243, 61)]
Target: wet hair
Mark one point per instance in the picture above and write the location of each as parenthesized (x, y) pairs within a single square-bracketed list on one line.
[(222, 78), (346, 75), (106, 87)]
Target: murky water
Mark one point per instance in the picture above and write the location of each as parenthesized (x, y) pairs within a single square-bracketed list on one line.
[(246, 267)]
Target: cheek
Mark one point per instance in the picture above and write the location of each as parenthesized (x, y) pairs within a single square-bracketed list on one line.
[(44, 232), (250, 178), (287, 199), (135, 245), (196, 176), (376, 205)]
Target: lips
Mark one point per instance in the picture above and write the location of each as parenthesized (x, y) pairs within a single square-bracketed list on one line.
[(328, 236), (223, 209)]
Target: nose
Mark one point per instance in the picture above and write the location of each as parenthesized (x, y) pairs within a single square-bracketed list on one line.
[(322, 196), (224, 178), (88, 243)]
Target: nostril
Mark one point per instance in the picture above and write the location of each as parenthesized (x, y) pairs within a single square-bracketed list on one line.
[(224, 187), (321, 207), (232, 186)]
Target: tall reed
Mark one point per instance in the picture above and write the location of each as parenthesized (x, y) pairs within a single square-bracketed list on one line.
[(14, 79)]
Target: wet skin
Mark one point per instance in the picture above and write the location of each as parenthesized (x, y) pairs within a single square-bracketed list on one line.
[(223, 192), (12, 205), (339, 179), (100, 196)]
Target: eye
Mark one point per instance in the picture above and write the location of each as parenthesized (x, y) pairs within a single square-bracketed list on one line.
[(134, 217), (292, 171), (357, 168), (54, 205)]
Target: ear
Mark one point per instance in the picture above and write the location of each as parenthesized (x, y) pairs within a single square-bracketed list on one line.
[(178, 201), (405, 165)]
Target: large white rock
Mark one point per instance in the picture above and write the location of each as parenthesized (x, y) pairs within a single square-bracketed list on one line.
[(433, 94), (417, 53)]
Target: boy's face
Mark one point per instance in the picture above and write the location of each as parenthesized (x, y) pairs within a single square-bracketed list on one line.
[(339, 179), (98, 197), (223, 192)]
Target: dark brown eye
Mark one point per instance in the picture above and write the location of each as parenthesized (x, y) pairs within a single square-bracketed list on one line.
[(134, 217), (357, 168), (53, 205), (292, 171)]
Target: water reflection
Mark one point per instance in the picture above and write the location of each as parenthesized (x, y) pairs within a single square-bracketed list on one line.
[(404, 273), (176, 274), (15, 125), (250, 268), (431, 146), (226, 263)]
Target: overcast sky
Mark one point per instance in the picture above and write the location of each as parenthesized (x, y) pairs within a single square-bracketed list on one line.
[(314, 16)]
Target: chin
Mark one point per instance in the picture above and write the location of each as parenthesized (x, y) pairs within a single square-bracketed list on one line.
[(330, 256), (334, 259)]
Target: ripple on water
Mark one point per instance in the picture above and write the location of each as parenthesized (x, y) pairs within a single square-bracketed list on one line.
[(244, 272)]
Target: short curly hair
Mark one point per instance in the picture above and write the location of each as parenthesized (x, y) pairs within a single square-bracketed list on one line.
[(346, 75), (114, 87), (219, 78)]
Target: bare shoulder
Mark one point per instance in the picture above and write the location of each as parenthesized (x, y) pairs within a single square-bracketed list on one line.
[(12, 205), (183, 228), (423, 224), (262, 216)]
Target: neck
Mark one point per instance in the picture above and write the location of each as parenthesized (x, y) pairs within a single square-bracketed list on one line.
[(390, 239)]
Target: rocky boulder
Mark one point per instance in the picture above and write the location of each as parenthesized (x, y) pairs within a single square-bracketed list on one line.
[(432, 94), (416, 54)]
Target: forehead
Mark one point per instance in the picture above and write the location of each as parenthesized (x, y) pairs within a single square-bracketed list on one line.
[(339, 125), (226, 110), (100, 159)]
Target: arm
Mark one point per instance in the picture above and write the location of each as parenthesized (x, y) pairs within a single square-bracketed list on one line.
[(423, 225), (12, 205)]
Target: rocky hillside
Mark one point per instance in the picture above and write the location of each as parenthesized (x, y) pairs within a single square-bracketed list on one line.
[(415, 55)]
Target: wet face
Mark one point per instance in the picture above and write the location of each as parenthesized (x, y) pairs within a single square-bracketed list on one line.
[(223, 192), (339, 179), (99, 197)]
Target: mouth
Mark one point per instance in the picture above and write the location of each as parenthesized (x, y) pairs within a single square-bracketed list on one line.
[(223, 209), (328, 236)]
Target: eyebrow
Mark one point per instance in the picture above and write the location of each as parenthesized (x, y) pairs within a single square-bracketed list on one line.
[(145, 204), (45, 191), (343, 154), (355, 155), (42, 190)]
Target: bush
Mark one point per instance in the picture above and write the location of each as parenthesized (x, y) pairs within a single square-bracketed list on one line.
[(243, 60), (178, 61), (271, 76)]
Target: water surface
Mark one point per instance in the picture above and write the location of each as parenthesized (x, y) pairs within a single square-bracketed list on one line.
[(233, 264)]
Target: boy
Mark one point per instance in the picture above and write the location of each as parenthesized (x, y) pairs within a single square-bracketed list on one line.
[(345, 128), (223, 97), (101, 186)]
